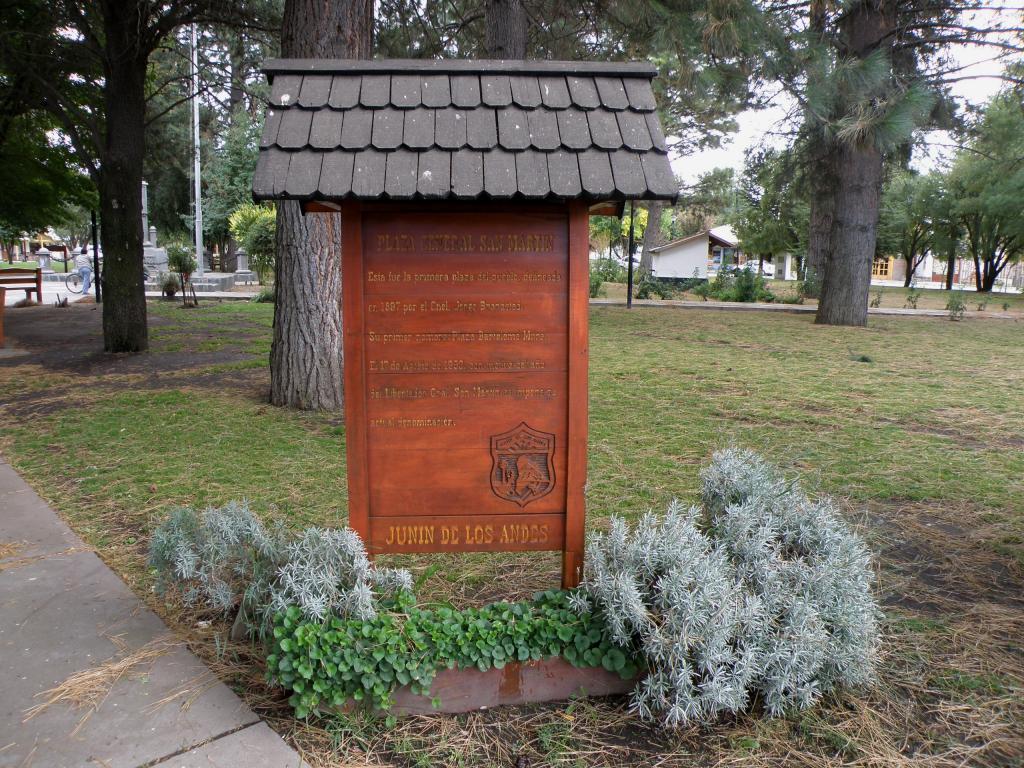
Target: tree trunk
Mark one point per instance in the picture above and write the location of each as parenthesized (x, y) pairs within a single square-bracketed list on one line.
[(863, 27), (822, 182), (823, 204), (847, 279), (306, 357), (652, 236), (506, 29), (950, 270), (911, 269), (120, 185), (312, 369)]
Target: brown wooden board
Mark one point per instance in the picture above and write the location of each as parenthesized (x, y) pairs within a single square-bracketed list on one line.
[(465, 376)]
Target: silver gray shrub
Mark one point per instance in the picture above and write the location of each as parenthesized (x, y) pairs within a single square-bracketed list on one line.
[(225, 559), (668, 591), (762, 593), (812, 573)]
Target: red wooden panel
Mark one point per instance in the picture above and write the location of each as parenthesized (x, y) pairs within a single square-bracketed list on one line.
[(484, 533), (465, 328)]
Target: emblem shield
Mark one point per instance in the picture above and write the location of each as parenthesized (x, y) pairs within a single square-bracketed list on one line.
[(522, 467)]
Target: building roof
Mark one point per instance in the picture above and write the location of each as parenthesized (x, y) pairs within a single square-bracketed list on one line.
[(712, 235), (429, 129)]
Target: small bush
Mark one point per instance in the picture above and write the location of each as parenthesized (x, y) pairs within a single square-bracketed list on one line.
[(181, 259), (226, 560), (912, 297), (876, 300), (608, 271), (743, 286), (956, 306), (266, 295), (761, 593), (169, 282), (597, 286), (254, 226), (668, 591), (651, 287)]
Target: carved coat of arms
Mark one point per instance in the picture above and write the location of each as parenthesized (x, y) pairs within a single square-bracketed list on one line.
[(523, 468)]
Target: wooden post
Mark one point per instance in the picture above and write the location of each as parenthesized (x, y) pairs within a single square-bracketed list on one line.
[(353, 331), (629, 252), (579, 307)]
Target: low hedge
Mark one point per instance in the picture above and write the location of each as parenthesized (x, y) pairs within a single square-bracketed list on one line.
[(339, 660)]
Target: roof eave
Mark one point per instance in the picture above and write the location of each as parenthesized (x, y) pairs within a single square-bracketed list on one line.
[(458, 66)]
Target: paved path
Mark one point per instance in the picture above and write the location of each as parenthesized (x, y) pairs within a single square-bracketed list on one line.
[(795, 308), (51, 291), (63, 612)]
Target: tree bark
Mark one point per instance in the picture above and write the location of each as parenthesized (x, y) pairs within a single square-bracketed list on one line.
[(847, 279), (864, 27), (506, 29), (120, 184), (823, 204), (950, 269), (652, 237), (306, 358)]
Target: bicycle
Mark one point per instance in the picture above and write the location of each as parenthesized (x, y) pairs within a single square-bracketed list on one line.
[(73, 281)]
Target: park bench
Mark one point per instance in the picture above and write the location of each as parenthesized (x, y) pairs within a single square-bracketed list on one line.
[(25, 279)]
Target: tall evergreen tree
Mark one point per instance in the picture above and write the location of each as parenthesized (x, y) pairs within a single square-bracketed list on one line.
[(87, 65), (306, 357)]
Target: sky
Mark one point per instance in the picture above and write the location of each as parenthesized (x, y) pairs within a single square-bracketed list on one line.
[(761, 127)]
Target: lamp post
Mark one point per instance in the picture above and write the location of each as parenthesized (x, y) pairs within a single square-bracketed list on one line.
[(629, 250)]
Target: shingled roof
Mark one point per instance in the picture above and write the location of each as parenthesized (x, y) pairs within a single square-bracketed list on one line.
[(403, 129)]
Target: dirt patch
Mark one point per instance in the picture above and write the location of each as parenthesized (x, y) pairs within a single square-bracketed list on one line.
[(70, 341), (939, 559)]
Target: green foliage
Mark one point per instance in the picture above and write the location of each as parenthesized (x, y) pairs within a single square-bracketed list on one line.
[(608, 270), (908, 217), (254, 227), (956, 306), (169, 283), (226, 560), (229, 175), (181, 259), (743, 286), (876, 300), (266, 295), (651, 287), (912, 297), (337, 660), (772, 215), (44, 185), (710, 201)]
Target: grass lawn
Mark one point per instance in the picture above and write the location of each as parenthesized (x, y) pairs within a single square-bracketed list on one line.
[(915, 424), (55, 264)]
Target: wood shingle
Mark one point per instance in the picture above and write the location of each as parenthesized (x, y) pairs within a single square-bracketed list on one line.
[(462, 129)]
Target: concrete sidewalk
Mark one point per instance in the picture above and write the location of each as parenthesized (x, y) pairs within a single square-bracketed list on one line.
[(727, 306), (733, 306), (63, 612)]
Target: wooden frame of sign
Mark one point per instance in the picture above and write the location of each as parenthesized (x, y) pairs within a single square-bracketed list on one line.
[(465, 334)]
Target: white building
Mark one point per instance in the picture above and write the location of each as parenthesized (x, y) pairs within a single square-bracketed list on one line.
[(696, 255)]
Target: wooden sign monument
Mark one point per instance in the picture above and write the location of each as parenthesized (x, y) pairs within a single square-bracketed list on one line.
[(465, 189)]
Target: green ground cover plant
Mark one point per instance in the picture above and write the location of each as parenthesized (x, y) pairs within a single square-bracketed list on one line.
[(920, 448), (336, 661)]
